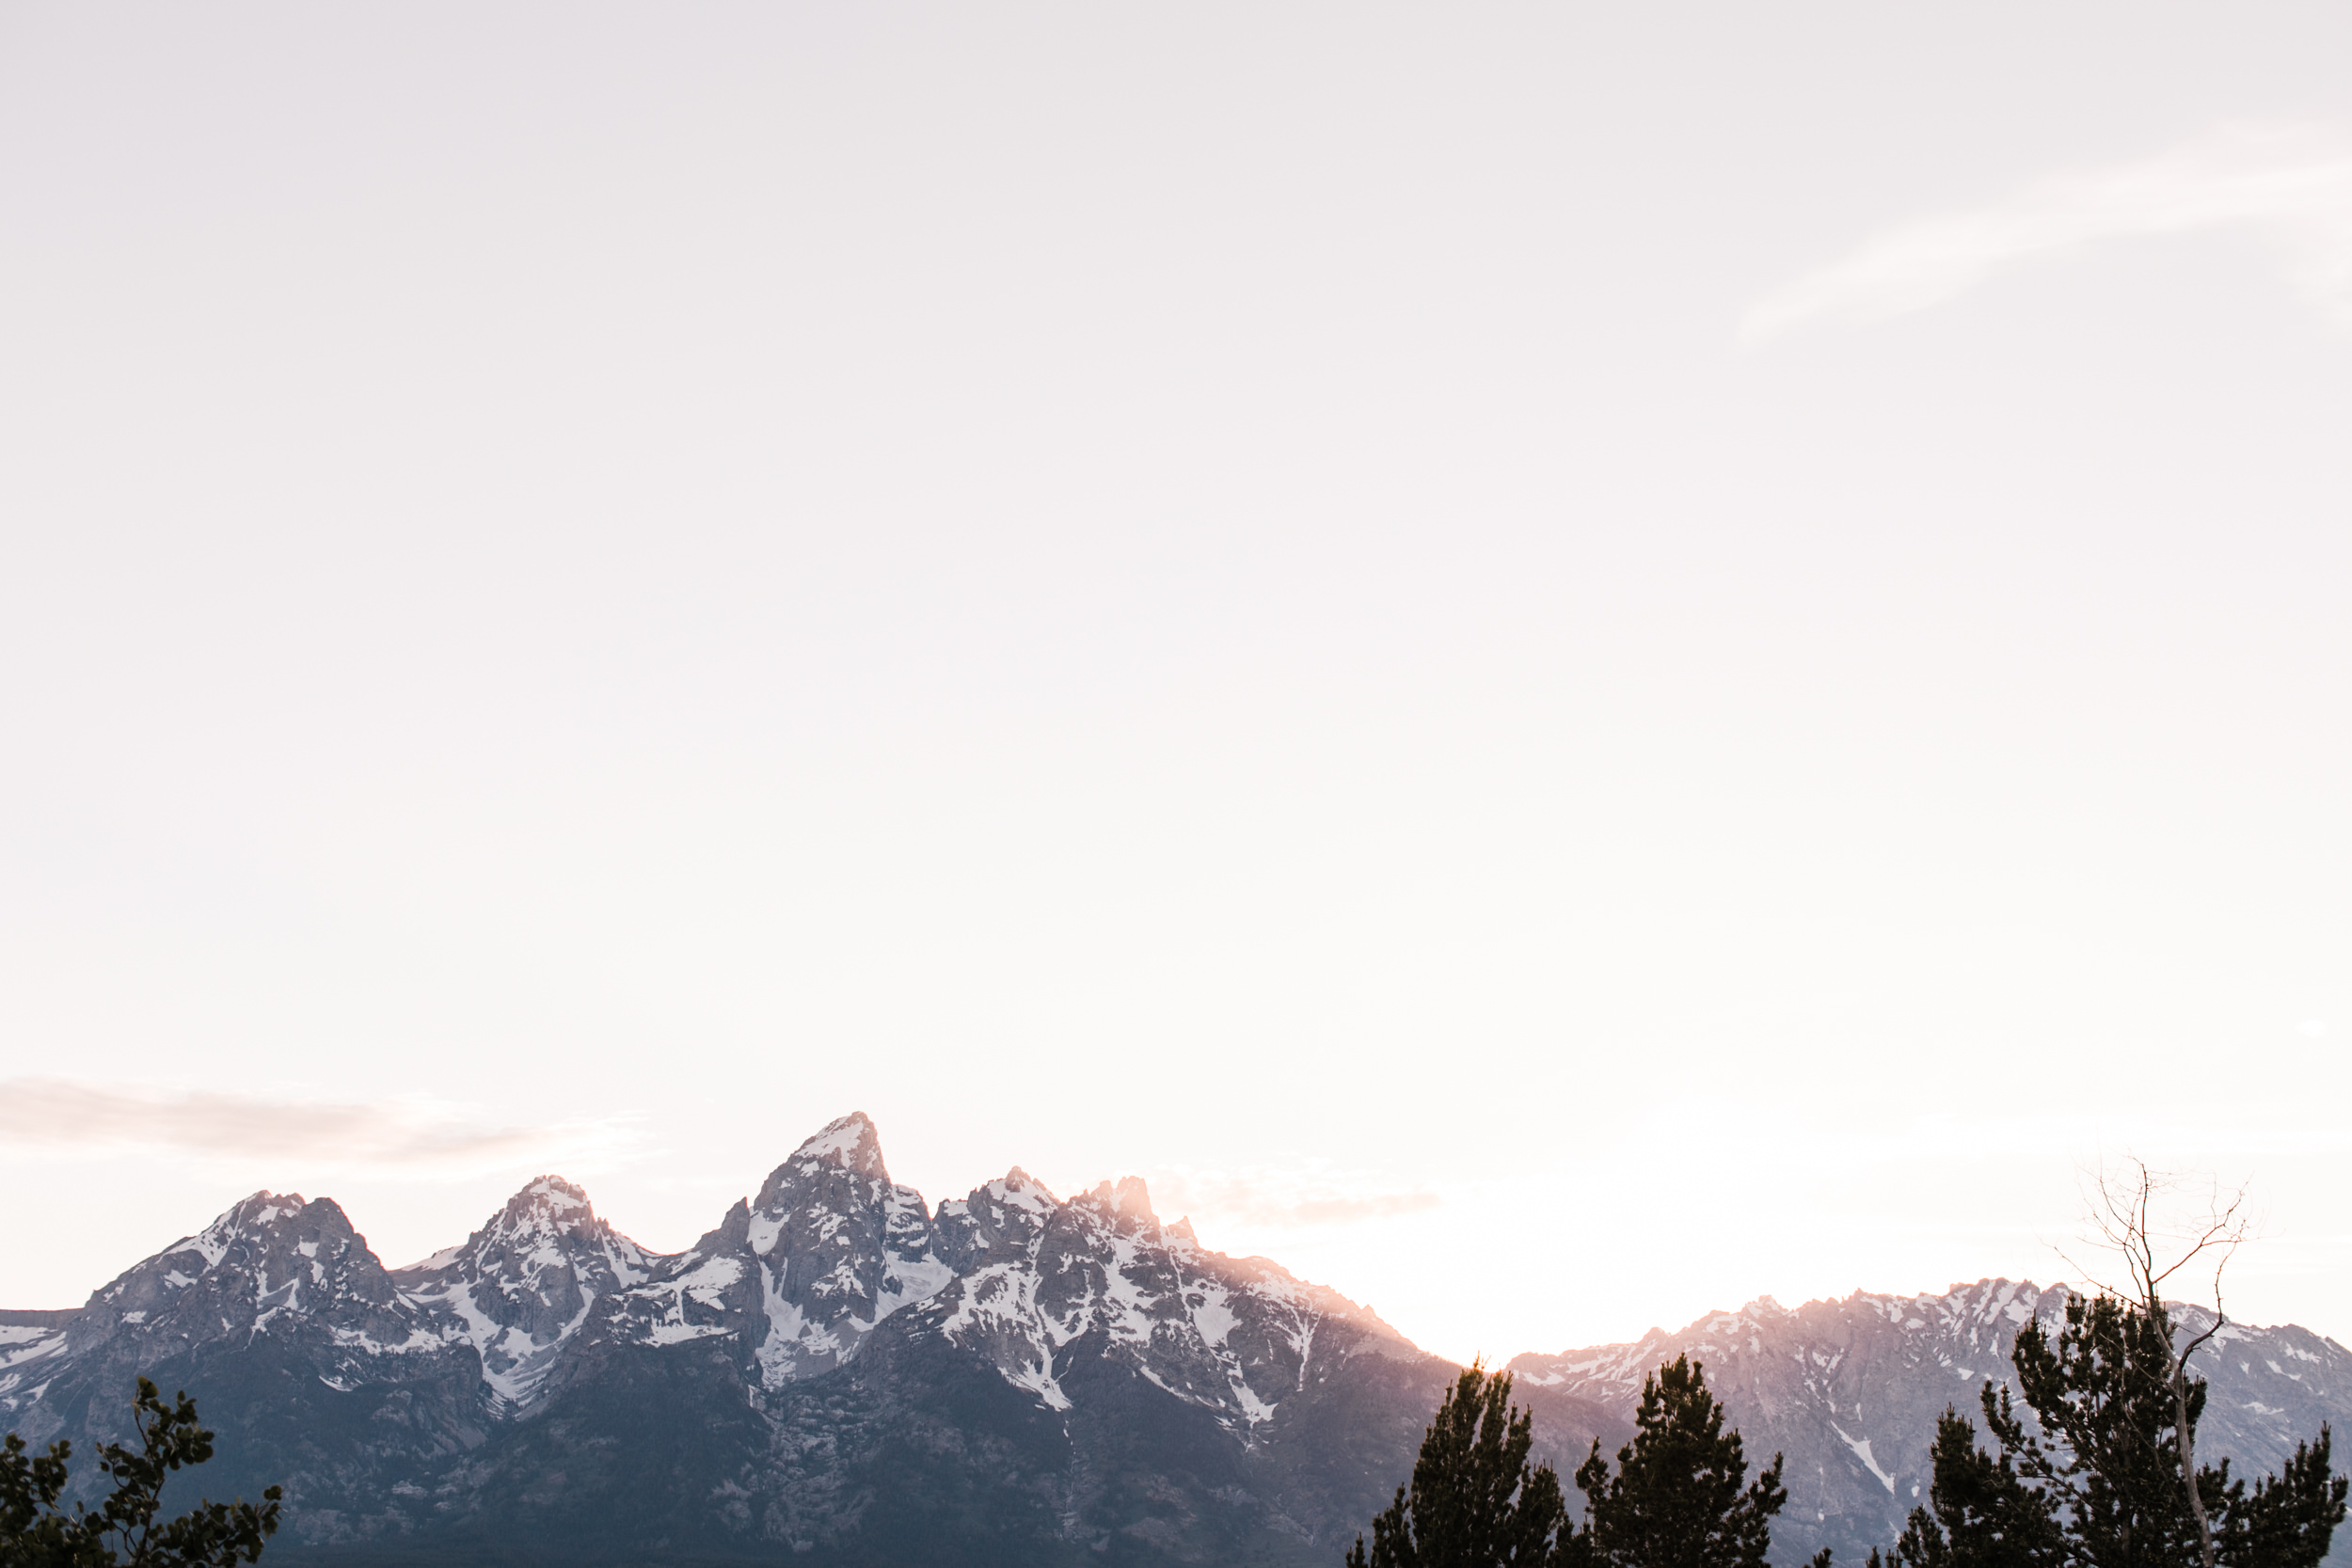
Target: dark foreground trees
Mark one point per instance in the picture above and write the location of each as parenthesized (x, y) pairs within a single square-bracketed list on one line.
[(1680, 1497), (2095, 1479), (2106, 1473), (35, 1532), (1474, 1500)]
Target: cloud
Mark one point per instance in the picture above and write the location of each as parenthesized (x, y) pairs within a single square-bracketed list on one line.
[(1282, 1199), (2293, 182), (399, 1136)]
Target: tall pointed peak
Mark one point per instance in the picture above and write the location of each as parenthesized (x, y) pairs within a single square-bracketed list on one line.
[(551, 1196), (264, 1220), (1019, 1180), (257, 1211), (1128, 1200), (732, 1231), (851, 1143), (262, 1208), (266, 1212), (1018, 1189), (1134, 1199)]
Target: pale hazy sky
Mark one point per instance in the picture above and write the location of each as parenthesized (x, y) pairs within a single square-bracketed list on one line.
[(1560, 664)]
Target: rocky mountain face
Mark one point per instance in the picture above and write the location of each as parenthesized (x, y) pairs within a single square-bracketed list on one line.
[(319, 1365), (1850, 1392), (836, 1372), (523, 1285), (839, 1374)]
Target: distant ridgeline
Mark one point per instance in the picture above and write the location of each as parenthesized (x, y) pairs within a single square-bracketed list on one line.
[(839, 1373)]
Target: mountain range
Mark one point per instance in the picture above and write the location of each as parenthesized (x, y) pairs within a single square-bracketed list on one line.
[(839, 1373)]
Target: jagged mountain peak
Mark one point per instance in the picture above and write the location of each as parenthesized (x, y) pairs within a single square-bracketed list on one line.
[(800, 1274), (549, 1195), (258, 1223), (520, 1288), (850, 1142), (1017, 1188), (1127, 1204), (264, 1206), (841, 1166), (545, 1207), (259, 1211), (1000, 1221), (1019, 1180), (266, 1265), (548, 1215)]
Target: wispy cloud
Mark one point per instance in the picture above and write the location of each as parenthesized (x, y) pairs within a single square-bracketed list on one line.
[(1283, 1200), (2293, 182), (406, 1136)]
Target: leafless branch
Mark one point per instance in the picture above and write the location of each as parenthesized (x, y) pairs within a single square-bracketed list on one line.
[(2129, 1211), (2135, 1214)]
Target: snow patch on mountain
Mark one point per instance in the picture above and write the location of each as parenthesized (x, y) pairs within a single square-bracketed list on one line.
[(850, 1142), (22, 1346)]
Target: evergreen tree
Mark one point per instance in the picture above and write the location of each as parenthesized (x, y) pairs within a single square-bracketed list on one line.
[(123, 1532), (1681, 1498), (2099, 1482), (1980, 1512), (1474, 1502)]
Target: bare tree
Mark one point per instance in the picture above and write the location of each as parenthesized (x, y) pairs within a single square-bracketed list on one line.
[(2157, 1231)]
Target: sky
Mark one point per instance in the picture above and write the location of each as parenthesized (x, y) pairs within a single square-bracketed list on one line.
[(1563, 665)]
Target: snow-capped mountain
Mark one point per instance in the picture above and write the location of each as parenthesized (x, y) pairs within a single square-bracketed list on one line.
[(1850, 1392), (274, 1268), (834, 1369), (270, 1257), (520, 1287), (831, 1247), (1225, 1335), (841, 1373)]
